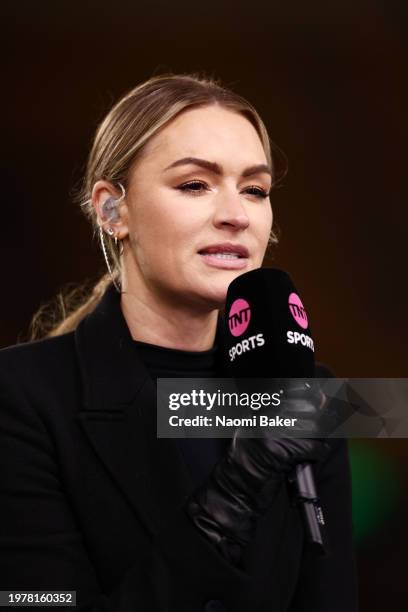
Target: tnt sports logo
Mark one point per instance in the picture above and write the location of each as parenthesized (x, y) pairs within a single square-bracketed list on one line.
[(297, 310), (239, 317)]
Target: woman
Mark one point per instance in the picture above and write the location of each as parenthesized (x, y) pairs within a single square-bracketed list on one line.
[(177, 186)]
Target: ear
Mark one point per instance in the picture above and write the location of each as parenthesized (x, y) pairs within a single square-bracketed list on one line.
[(101, 192)]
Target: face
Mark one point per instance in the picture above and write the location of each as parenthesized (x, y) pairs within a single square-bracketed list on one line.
[(195, 225)]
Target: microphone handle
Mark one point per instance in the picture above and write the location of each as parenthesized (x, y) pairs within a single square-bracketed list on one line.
[(306, 497)]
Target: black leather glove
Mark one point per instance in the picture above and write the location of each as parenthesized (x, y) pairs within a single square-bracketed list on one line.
[(245, 481)]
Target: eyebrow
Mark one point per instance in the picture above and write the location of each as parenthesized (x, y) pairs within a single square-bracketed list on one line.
[(216, 168)]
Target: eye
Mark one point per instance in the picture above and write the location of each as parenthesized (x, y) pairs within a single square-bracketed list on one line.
[(194, 187), (257, 192), (197, 187)]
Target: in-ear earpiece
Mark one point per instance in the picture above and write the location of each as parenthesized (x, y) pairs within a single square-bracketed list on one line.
[(109, 210), (110, 207)]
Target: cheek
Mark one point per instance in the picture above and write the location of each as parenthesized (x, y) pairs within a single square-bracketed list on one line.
[(166, 218), (264, 225), (149, 222), (163, 242), (269, 215)]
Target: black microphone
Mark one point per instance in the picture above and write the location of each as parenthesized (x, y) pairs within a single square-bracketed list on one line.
[(267, 335)]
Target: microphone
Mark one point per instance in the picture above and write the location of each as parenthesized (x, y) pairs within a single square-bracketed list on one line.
[(267, 334)]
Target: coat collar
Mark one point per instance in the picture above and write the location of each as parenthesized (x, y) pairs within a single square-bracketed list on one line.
[(112, 374), (119, 416)]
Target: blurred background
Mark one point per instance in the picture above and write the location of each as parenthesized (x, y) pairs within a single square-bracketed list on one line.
[(330, 81)]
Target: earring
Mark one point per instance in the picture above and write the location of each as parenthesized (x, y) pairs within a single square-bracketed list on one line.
[(105, 254), (111, 233)]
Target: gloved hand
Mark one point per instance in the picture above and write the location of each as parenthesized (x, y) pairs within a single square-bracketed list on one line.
[(245, 481)]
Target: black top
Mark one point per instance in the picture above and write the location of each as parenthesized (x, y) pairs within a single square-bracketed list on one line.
[(199, 454), (163, 362)]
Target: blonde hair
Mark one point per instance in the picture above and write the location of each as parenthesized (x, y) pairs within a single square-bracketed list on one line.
[(119, 142)]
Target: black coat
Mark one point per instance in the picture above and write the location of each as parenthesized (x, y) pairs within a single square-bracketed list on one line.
[(92, 501)]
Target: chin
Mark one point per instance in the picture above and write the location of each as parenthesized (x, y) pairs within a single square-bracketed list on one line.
[(213, 292), (217, 296)]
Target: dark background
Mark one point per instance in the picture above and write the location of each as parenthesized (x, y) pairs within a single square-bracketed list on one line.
[(330, 81)]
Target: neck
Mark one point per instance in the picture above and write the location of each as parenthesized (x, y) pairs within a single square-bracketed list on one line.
[(168, 323)]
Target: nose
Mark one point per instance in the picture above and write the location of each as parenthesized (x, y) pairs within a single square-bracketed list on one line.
[(230, 212)]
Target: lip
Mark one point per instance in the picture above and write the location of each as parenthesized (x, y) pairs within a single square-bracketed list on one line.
[(209, 257), (225, 247)]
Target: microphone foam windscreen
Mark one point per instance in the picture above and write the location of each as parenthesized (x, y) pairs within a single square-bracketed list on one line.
[(267, 328)]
